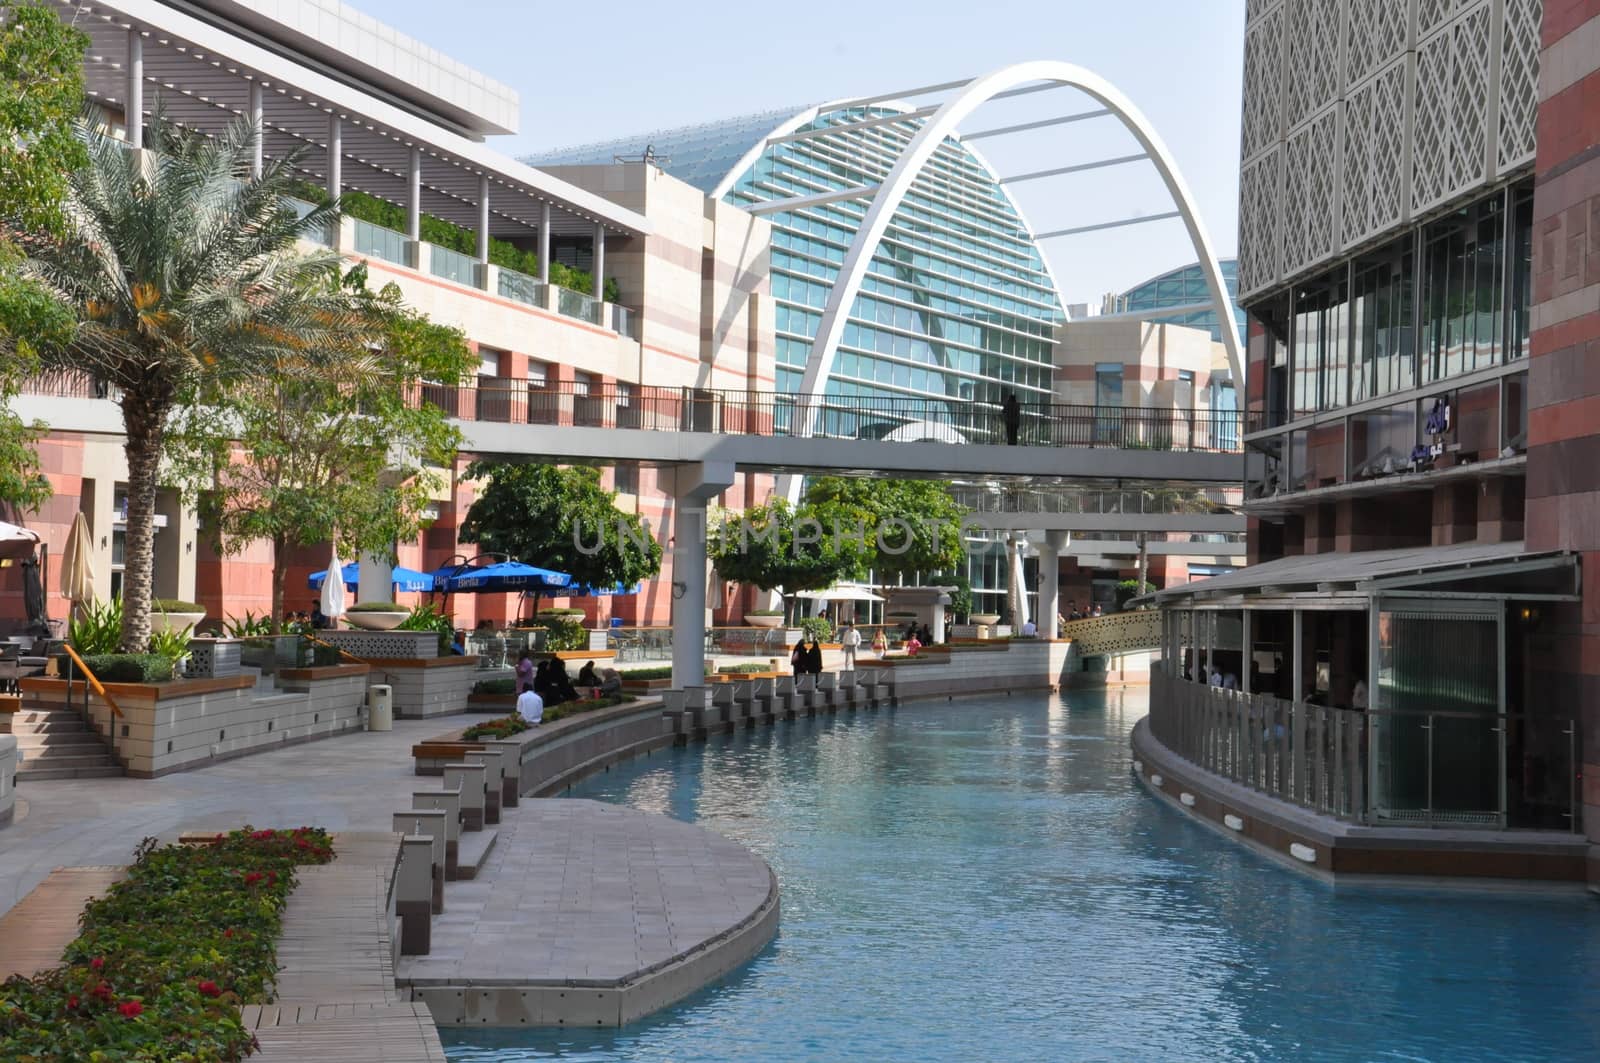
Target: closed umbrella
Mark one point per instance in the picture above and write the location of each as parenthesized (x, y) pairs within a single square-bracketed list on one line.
[(1018, 592), (333, 601), (77, 570)]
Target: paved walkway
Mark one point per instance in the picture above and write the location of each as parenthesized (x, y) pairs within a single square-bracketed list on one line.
[(350, 783), (35, 933), (580, 891)]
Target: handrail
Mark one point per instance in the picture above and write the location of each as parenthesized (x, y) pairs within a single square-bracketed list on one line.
[(340, 650), (92, 679)]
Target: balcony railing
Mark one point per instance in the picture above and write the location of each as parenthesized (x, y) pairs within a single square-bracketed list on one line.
[(1377, 767), (452, 265), (578, 305), (377, 242), (521, 287), (909, 419), (625, 321)]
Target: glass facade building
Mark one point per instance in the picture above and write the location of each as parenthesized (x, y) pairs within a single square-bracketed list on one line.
[(957, 303), (1184, 287)]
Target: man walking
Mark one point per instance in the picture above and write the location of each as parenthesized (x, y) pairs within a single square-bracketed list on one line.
[(849, 640)]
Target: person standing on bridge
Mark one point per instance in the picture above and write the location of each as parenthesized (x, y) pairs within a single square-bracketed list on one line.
[(1011, 413), (849, 641)]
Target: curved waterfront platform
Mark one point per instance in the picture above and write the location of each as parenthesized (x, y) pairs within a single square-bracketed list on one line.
[(1348, 853), (590, 914)]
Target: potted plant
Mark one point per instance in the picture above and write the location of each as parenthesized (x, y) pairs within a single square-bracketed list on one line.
[(764, 617), (173, 615), (376, 616)]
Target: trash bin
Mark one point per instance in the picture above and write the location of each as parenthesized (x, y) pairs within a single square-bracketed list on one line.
[(380, 707)]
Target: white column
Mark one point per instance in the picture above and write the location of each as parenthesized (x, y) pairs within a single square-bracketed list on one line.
[(257, 119), (134, 104), (544, 243), (376, 582), (1297, 669), (1246, 642), (1050, 548), (599, 262), (414, 196), (483, 218), (335, 155), (693, 486)]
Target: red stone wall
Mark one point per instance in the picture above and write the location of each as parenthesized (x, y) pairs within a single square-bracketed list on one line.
[(1563, 486)]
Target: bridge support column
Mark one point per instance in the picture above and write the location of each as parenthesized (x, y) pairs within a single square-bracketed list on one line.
[(1050, 548), (376, 582), (693, 486)]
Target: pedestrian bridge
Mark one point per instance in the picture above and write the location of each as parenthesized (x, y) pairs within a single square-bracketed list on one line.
[(512, 420), (1114, 634)]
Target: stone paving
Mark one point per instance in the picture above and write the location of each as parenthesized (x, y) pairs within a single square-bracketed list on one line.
[(580, 891), (350, 783)]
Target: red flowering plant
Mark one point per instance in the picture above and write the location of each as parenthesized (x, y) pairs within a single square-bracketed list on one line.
[(166, 957)]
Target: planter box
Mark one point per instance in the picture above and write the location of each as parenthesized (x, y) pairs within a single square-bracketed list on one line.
[(375, 621), (386, 645), (215, 658), (160, 621)]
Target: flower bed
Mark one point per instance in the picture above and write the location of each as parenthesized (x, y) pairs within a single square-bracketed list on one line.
[(167, 956), (504, 727)]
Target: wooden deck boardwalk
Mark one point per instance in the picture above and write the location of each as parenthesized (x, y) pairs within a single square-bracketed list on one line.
[(35, 932)]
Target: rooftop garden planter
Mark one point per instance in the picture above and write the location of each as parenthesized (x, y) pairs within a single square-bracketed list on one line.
[(767, 620), (172, 615)]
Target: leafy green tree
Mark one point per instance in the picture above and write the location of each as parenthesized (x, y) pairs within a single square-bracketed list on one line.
[(776, 547), (910, 526), (185, 279), (343, 454), (559, 518), (41, 96)]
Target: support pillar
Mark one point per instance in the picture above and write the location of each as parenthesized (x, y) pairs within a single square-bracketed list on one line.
[(414, 209), (1246, 642), (693, 486), (376, 583), (335, 155), (259, 121), (1297, 672), (483, 219), (133, 105), (1050, 547), (599, 263), (544, 243)]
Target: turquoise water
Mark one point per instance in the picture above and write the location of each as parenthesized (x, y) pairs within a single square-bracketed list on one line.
[(982, 882)]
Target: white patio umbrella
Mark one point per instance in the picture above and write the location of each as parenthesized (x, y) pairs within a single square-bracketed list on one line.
[(17, 541), (333, 602), (844, 593), (77, 567)]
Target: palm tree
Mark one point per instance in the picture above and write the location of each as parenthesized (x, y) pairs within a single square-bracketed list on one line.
[(185, 277)]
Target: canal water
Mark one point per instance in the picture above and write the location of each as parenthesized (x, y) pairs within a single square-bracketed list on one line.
[(982, 881)]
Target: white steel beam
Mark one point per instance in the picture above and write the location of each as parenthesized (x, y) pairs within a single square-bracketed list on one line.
[(801, 202), (1024, 127), (1120, 160), (845, 127), (1109, 225)]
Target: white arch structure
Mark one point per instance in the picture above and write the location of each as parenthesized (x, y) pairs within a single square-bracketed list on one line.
[(944, 121)]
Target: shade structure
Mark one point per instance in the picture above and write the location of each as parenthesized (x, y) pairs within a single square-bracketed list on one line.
[(77, 571), (841, 594), (502, 577), (17, 541), (404, 579), (333, 599)]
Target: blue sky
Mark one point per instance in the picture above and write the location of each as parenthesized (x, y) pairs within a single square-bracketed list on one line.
[(589, 72)]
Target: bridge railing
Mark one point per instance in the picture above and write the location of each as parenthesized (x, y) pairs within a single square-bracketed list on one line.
[(898, 419)]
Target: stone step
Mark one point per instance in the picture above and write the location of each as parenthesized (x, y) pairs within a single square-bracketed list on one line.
[(71, 740), (50, 759), (64, 723), (474, 851), (107, 771)]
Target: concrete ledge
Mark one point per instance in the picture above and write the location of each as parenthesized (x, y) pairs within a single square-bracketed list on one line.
[(8, 778), (1342, 852)]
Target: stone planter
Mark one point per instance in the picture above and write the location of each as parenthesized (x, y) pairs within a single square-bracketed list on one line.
[(755, 620), (375, 621), (985, 619), (160, 621)]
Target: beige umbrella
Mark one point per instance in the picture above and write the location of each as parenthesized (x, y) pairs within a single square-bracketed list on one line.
[(77, 570)]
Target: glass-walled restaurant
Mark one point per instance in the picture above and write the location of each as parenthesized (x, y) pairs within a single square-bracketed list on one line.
[(1356, 359), (1393, 687)]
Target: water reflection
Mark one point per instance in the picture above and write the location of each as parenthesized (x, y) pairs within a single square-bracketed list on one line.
[(982, 881)]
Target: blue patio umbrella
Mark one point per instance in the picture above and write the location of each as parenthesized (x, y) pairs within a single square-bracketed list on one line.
[(583, 590), (404, 579), (503, 577)]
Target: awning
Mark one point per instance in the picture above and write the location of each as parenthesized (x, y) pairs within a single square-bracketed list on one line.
[(1366, 570), (841, 594)]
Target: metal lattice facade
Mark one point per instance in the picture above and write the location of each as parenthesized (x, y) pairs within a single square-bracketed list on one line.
[(1360, 116)]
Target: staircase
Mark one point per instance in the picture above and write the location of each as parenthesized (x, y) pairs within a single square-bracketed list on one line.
[(57, 743)]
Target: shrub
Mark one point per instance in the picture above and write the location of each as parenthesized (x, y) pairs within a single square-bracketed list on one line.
[(1130, 588), (175, 605), (426, 617), (167, 956), (573, 708), (126, 667), (96, 627), (564, 611), (376, 607), (495, 686), (763, 612), (741, 669), (661, 671), (817, 627), (172, 645), (564, 634), (248, 626), (504, 727)]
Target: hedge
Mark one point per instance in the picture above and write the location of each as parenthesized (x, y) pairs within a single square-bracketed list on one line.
[(167, 956), (495, 686), (125, 667), (377, 607), (175, 605), (573, 708), (504, 727)]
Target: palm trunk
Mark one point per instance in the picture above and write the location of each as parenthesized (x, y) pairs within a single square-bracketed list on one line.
[(1144, 563), (144, 419)]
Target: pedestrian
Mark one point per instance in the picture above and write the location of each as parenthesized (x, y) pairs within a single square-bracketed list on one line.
[(814, 657), (913, 644), (1095, 610), (880, 643), (1072, 610), (1011, 412), (797, 657), (849, 640), (530, 706), (524, 671)]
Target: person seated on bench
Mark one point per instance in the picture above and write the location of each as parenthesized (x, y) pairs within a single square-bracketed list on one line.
[(587, 679), (610, 682), (561, 681), (530, 706), (544, 684)]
